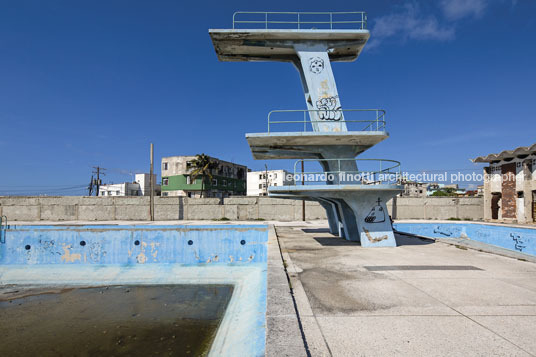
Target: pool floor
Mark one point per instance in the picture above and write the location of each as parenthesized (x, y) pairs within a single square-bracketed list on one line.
[(142, 320)]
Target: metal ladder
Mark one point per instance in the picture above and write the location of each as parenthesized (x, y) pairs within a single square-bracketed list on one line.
[(3, 229)]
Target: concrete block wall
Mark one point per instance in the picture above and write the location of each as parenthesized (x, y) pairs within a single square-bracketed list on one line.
[(71, 208), (467, 208)]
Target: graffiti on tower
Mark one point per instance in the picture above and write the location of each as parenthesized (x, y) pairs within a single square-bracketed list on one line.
[(329, 108), (376, 214), (316, 65)]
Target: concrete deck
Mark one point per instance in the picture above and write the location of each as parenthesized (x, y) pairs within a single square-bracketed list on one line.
[(422, 298)]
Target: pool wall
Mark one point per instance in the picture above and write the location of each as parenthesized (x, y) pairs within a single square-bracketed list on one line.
[(188, 245), (149, 255), (513, 238)]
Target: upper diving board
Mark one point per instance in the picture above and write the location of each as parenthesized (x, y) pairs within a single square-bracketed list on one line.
[(272, 36)]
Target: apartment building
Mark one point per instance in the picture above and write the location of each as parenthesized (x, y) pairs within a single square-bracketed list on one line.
[(228, 179), (140, 187), (259, 181)]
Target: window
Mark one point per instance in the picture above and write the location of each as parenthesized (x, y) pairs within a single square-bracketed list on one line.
[(214, 182), (260, 177), (260, 185), (164, 194), (224, 183), (117, 193), (164, 166), (188, 180), (275, 183), (165, 181), (275, 175)]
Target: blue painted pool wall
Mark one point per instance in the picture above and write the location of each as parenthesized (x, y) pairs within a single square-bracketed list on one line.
[(512, 238), (188, 245)]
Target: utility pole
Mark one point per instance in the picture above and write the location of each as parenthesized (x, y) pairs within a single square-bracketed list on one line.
[(98, 171), (90, 186), (151, 208), (303, 183), (266, 177)]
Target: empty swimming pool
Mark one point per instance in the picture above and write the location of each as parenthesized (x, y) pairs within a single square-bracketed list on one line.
[(202, 284)]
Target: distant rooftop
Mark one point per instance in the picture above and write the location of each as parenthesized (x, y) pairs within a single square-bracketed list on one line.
[(507, 154)]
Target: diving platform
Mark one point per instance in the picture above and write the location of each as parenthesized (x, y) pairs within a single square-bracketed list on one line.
[(361, 207), (367, 128), (271, 36), (353, 195), (296, 145), (355, 201)]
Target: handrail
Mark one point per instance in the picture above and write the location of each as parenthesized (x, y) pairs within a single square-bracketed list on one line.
[(371, 176), (360, 22), (376, 124), (3, 228)]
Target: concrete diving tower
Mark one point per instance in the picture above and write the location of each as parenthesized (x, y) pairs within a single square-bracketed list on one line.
[(324, 132)]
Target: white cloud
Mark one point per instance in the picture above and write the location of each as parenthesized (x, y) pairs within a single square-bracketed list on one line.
[(458, 9), (409, 23)]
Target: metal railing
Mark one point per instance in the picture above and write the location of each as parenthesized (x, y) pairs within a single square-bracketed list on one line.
[(3, 228), (350, 20), (376, 124), (387, 171)]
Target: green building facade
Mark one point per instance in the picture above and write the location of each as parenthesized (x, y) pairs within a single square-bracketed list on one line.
[(228, 179)]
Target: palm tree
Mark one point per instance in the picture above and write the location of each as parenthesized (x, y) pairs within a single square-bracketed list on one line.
[(202, 166)]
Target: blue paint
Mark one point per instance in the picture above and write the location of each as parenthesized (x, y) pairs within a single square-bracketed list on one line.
[(512, 238), (188, 245), (96, 255)]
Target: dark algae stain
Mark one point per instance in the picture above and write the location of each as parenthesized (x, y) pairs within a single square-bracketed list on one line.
[(151, 320)]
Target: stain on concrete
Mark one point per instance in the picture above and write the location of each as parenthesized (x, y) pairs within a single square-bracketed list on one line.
[(329, 291), (374, 239)]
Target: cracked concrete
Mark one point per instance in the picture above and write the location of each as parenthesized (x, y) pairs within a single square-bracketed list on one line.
[(346, 310)]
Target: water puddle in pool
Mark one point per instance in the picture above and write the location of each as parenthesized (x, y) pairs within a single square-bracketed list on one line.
[(164, 320)]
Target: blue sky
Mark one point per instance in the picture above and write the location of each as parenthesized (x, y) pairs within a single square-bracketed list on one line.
[(93, 83)]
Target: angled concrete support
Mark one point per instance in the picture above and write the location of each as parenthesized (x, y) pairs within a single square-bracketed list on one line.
[(372, 218), (333, 216), (348, 219), (319, 87)]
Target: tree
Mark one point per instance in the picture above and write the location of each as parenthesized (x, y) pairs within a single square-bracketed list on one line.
[(202, 166), (449, 191)]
